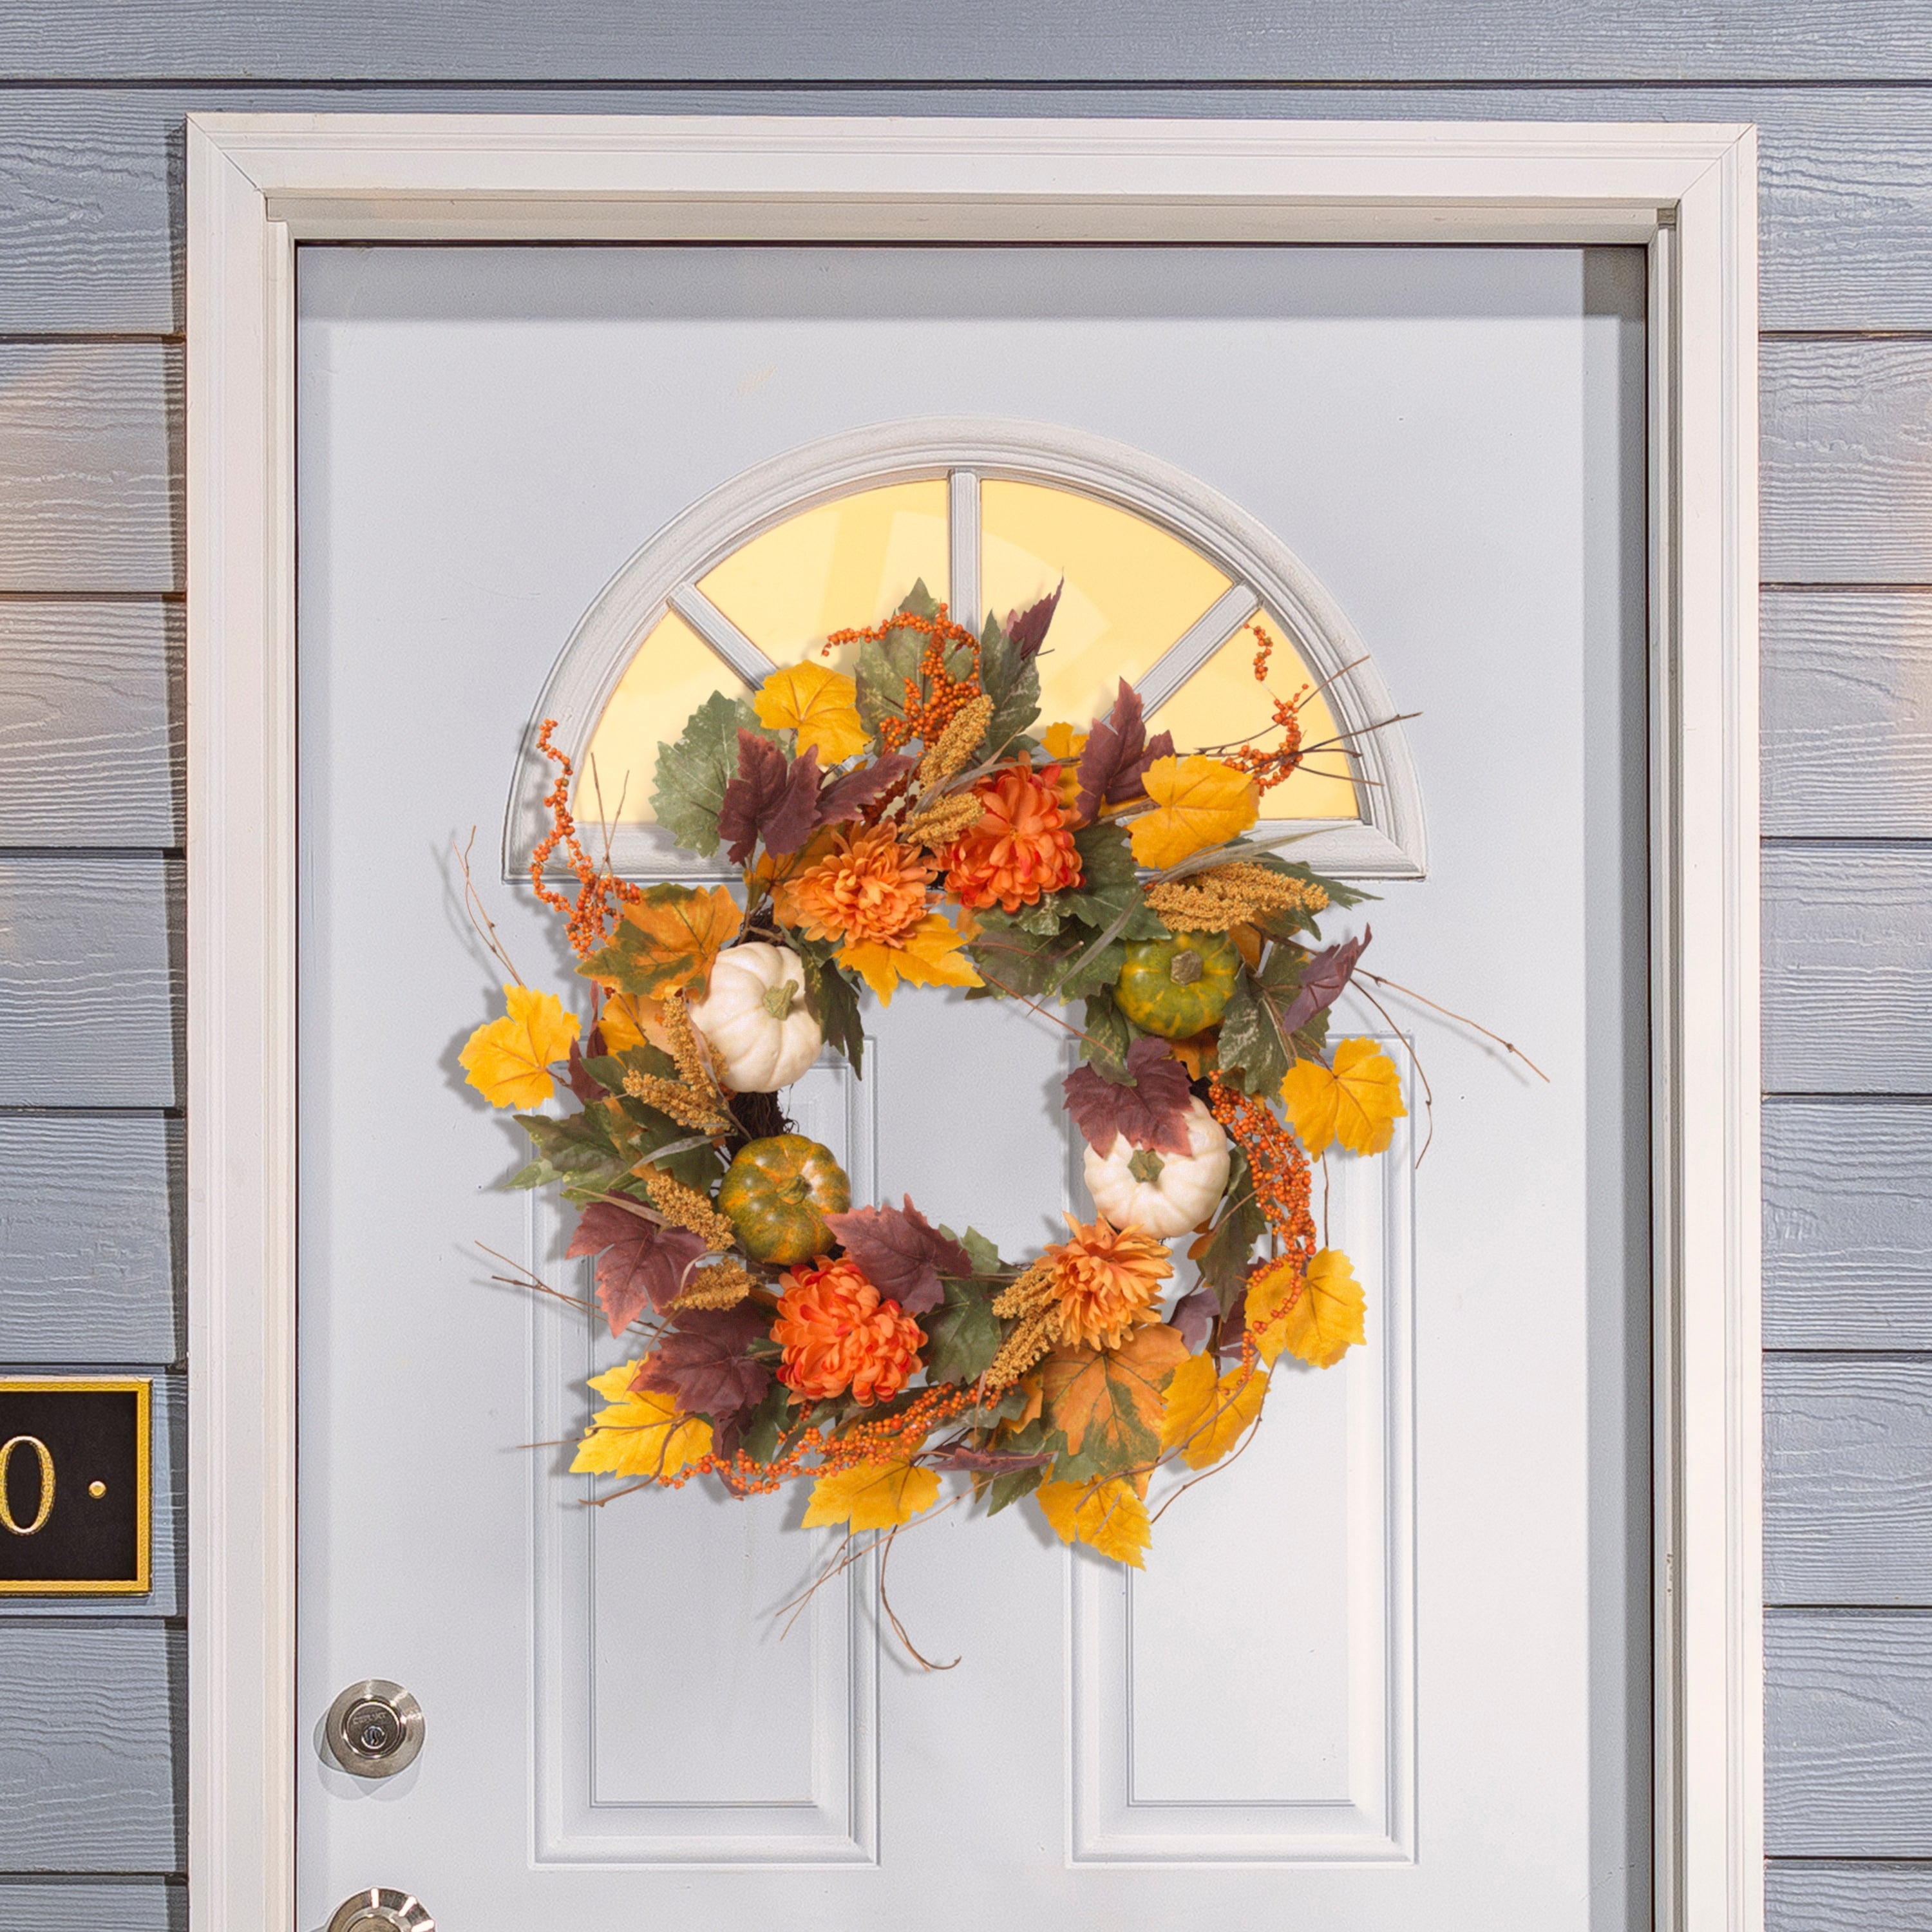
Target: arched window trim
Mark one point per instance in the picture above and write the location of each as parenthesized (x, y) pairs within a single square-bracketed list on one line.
[(1387, 842)]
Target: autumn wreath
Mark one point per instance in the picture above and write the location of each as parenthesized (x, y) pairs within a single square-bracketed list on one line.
[(904, 827)]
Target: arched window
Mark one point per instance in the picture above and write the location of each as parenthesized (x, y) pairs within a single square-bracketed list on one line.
[(1163, 577)]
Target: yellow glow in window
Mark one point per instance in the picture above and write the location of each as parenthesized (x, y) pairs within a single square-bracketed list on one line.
[(1222, 703), (673, 672), (837, 568), (1132, 589)]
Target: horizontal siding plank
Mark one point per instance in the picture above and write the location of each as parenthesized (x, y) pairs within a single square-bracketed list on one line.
[(1840, 1895), (92, 1235), (1847, 713), (1848, 1720), (168, 1498), (90, 1011), (92, 1905), (90, 466), (1847, 1224), (92, 724), (1846, 454), (90, 191), (1847, 1479), (90, 1756), (966, 41), (1847, 989)]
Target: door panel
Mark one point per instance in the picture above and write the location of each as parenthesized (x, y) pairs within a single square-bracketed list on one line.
[(1385, 1672)]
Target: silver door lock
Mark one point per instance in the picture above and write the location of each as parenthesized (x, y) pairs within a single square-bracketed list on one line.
[(382, 1908), (373, 1729)]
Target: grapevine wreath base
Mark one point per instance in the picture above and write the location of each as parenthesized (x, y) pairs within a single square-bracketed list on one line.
[(905, 827)]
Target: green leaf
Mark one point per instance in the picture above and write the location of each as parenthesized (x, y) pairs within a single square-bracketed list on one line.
[(692, 773), (1012, 682), (1224, 1264), (1086, 975), (980, 1252), (1339, 894), (919, 600), (1108, 1036), (647, 960), (1251, 1046), (764, 1435), (1311, 1041), (576, 1152), (833, 1002), (1110, 885), (886, 665), (1044, 919), (963, 1335), (1011, 1487)]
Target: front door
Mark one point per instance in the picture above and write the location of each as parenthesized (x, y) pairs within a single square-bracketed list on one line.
[(1389, 1670)]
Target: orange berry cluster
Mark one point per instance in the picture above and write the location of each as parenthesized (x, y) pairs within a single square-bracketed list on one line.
[(1277, 1165), (926, 718), (1269, 769), (590, 917), (892, 1439)]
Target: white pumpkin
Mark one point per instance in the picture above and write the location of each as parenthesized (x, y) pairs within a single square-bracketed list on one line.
[(1162, 1194), (754, 1020)]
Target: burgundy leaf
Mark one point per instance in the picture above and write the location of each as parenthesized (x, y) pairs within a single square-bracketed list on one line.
[(637, 1261), (1327, 973), (768, 799), (582, 1083), (703, 1364), (1117, 753), (1194, 1317), (989, 1462), (1152, 1113), (848, 797), (901, 1253), (1026, 630)]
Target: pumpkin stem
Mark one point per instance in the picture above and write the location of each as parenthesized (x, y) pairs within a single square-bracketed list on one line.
[(1146, 1165), (1186, 968), (777, 1000)]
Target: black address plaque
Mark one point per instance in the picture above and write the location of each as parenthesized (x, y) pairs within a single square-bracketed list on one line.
[(74, 1486)]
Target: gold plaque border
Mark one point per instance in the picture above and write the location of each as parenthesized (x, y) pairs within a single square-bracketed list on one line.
[(142, 1389)]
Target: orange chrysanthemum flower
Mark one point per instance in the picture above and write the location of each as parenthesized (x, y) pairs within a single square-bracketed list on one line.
[(1020, 848), (1107, 1281), (837, 1334), (864, 887)]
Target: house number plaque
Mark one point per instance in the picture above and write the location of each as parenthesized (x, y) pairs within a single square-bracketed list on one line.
[(74, 1486)]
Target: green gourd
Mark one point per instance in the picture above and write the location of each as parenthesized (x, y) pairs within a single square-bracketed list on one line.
[(777, 1194), (1176, 986)]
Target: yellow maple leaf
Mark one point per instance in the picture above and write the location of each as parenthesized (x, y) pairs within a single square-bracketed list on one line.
[(928, 955), (507, 1060), (872, 1495), (819, 705), (667, 938), (1108, 1517), (622, 1022), (1318, 1320), (1198, 802), (1358, 1104), (641, 1434), (1062, 741), (1207, 1415)]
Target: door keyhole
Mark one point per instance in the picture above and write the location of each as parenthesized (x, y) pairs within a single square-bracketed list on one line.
[(373, 1729)]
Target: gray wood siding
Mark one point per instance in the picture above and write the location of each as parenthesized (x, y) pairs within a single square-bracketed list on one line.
[(90, 718), (90, 1243), (1116, 40), (92, 1905), (90, 1777), (92, 1192)]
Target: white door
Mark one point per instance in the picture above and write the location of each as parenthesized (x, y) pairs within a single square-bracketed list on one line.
[(1388, 1671)]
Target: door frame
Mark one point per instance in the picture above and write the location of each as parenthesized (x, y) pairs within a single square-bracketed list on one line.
[(260, 184)]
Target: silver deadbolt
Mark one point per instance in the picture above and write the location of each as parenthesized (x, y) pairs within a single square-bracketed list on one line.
[(373, 1729), (382, 1908)]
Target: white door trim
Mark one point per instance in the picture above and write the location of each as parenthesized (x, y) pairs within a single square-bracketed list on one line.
[(259, 184)]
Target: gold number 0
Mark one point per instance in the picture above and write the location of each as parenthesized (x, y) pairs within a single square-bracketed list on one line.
[(46, 1508)]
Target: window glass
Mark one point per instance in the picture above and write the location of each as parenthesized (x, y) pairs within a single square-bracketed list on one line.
[(842, 565), (673, 672), (1222, 703), (1132, 589)]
